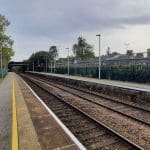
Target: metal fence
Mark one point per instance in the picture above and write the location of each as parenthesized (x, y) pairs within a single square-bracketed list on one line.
[(133, 70), (3, 72), (132, 73)]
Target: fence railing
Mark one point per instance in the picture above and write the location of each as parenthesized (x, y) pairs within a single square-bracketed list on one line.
[(131, 73), (132, 70), (3, 72)]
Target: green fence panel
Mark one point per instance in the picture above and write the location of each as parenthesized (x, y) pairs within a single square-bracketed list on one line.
[(131, 73)]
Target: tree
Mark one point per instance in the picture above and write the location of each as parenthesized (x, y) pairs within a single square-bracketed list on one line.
[(6, 42), (139, 55), (111, 54), (40, 57), (40, 60), (53, 51), (129, 53), (4, 23), (82, 49), (114, 54)]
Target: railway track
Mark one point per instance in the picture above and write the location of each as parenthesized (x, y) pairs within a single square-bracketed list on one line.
[(138, 114), (94, 93), (90, 132)]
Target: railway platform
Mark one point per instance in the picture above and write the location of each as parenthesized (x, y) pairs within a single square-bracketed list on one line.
[(5, 113), (122, 84), (26, 122), (127, 92)]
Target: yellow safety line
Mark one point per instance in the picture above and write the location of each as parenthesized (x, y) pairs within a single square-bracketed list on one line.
[(14, 120)]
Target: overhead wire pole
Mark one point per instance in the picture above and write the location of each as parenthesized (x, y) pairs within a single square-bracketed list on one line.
[(68, 62), (99, 66)]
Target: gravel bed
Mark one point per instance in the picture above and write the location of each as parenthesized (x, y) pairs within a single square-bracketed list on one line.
[(131, 111), (138, 133), (133, 130), (143, 105)]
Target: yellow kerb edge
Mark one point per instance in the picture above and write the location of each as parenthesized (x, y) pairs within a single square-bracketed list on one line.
[(14, 119)]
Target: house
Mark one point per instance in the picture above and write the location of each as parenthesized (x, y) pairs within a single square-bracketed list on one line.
[(118, 60)]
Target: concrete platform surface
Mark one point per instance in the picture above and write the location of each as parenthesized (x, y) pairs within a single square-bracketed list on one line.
[(50, 134), (34, 128), (5, 112), (26, 135), (25, 122), (28, 139)]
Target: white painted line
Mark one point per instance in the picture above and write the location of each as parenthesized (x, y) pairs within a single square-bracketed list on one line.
[(68, 132)]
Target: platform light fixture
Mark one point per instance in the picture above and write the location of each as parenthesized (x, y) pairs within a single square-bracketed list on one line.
[(99, 66)]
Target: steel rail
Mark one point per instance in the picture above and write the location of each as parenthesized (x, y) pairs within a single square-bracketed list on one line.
[(102, 96), (92, 93), (107, 107), (87, 115)]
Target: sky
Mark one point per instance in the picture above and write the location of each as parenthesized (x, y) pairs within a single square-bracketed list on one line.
[(38, 24)]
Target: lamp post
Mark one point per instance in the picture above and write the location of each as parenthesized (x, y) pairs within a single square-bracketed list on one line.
[(75, 61), (99, 68), (68, 61)]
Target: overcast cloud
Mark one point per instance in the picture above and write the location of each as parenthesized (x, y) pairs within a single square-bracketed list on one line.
[(37, 24)]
